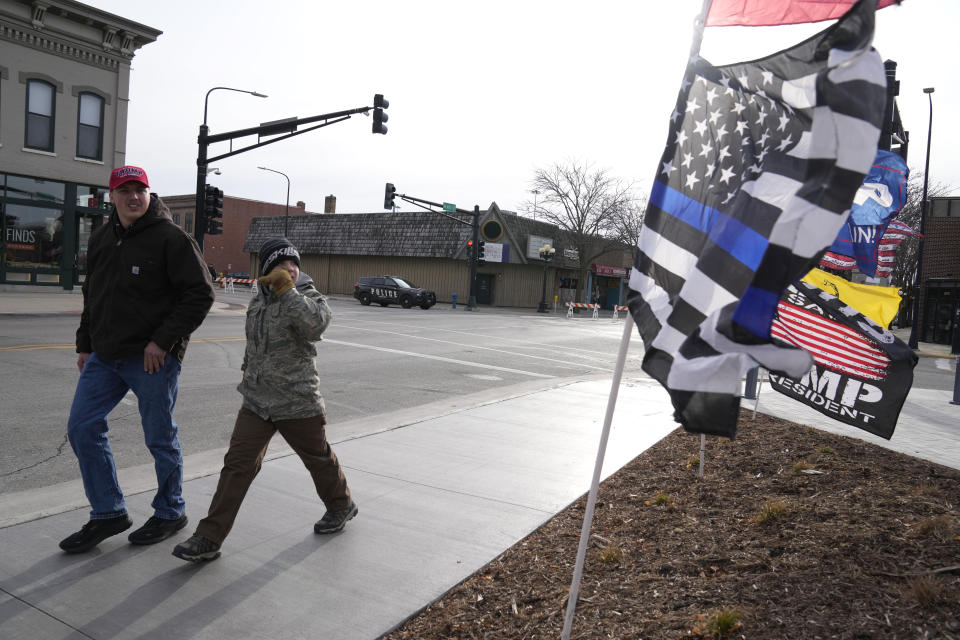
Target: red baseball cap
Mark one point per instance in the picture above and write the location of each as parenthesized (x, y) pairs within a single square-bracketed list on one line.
[(128, 174)]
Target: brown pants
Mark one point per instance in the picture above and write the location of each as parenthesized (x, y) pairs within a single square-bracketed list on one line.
[(248, 444)]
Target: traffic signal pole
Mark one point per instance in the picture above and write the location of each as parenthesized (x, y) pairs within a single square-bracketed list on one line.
[(390, 194), (199, 219), (472, 301), (288, 126)]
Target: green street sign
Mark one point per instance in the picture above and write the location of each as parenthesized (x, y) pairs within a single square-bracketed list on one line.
[(447, 206)]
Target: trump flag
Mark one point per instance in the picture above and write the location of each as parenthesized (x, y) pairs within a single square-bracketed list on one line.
[(861, 373), (761, 165)]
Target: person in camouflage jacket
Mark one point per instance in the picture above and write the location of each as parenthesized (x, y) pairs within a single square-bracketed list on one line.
[(281, 392)]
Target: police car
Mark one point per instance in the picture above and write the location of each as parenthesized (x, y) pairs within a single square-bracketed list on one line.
[(386, 290)]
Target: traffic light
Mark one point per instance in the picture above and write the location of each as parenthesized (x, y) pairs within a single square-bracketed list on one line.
[(213, 210), (388, 192), (379, 116), (480, 260), (469, 250)]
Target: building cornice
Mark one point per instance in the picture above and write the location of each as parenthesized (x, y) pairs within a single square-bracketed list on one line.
[(73, 30)]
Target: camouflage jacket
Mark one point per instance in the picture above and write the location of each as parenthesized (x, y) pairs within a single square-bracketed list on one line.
[(280, 380)]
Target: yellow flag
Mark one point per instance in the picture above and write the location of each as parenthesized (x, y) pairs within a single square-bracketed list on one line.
[(880, 304)]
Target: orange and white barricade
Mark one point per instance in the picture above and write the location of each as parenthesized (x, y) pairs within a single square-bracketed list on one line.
[(616, 312), (583, 305), (227, 283)]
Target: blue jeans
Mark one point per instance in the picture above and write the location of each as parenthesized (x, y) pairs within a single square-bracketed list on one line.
[(102, 385)]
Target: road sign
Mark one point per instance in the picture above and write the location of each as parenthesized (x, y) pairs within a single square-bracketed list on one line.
[(447, 206)]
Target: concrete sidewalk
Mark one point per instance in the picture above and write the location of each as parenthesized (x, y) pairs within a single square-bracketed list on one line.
[(440, 495)]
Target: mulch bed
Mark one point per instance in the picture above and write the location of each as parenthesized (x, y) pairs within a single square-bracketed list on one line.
[(792, 533)]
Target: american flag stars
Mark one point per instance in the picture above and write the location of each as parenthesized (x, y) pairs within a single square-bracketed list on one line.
[(739, 111)]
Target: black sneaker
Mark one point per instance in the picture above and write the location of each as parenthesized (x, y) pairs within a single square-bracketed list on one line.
[(95, 532), (333, 521), (157, 529), (197, 548)]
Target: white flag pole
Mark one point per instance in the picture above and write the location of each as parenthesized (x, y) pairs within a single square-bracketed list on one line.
[(759, 384), (595, 484), (703, 452), (612, 403)]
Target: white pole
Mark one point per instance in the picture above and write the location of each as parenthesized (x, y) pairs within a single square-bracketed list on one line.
[(703, 452), (595, 484), (759, 385)]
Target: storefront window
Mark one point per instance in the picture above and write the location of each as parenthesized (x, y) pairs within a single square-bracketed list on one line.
[(34, 189), (34, 236)]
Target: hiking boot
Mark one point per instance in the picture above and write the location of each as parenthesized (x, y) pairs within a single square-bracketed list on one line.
[(95, 532), (196, 549), (157, 529), (333, 521)]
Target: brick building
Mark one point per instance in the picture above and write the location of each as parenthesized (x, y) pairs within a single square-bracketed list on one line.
[(225, 251), (940, 313)]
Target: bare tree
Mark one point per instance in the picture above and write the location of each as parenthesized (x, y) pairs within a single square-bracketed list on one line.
[(583, 202), (626, 224)]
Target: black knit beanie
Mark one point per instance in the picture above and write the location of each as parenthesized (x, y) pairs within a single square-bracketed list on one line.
[(273, 251)]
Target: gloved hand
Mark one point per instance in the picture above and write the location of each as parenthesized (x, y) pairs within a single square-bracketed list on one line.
[(278, 280)]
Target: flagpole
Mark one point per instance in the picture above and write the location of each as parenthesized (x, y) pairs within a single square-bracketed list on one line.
[(612, 401), (595, 483), (698, 25)]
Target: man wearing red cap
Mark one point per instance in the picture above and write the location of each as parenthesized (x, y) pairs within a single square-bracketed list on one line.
[(147, 289)]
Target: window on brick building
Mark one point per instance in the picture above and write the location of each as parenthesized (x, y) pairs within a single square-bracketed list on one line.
[(945, 207)]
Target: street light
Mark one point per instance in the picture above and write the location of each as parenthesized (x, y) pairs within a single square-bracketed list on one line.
[(214, 170), (286, 214), (202, 171), (546, 254), (205, 100), (914, 341), (535, 193)]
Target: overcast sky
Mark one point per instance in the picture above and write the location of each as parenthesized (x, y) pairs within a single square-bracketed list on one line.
[(481, 94)]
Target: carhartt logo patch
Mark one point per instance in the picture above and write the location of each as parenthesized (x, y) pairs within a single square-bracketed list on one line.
[(135, 270)]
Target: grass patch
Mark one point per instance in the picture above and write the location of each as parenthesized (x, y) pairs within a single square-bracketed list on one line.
[(662, 499), (609, 555), (718, 624), (771, 511), (800, 466), (936, 526), (926, 590)]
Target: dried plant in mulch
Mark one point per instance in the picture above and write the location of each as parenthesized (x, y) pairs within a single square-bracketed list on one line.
[(792, 533)]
